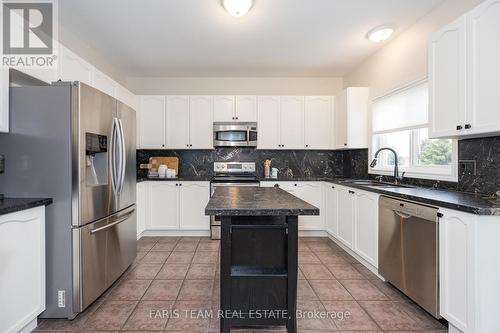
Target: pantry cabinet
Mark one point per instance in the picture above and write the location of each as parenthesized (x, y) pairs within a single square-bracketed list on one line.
[(351, 118), (22, 281), (463, 74), (152, 122), (318, 122), (177, 206)]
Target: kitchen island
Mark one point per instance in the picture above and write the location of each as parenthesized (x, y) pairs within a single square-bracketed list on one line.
[(259, 251)]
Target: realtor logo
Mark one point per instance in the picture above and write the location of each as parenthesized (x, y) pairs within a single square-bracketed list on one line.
[(28, 33)]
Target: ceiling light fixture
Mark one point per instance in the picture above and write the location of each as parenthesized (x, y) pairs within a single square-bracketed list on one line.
[(380, 34), (237, 8)]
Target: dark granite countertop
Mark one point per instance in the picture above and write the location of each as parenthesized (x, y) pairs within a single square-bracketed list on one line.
[(177, 179), (295, 179), (257, 201), (461, 201), (11, 205)]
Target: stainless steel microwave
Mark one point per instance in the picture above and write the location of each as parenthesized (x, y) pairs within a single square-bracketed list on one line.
[(228, 134)]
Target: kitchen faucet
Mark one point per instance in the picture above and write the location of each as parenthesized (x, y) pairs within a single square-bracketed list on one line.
[(397, 179)]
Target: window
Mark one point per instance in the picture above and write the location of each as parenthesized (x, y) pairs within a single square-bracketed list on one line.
[(400, 121)]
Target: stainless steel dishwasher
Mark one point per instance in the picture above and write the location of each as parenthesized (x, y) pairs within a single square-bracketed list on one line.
[(408, 250)]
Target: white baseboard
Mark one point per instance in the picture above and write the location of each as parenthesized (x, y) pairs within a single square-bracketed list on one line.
[(29, 327), (175, 233), (312, 233), (362, 261)]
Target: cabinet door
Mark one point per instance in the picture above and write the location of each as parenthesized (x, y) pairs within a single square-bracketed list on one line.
[(340, 122), (4, 100), (246, 108), (331, 209), (152, 122), (74, 68), (312, 193), (141, 207), (201, 122), (346, 216), (456, 235), (318, 122), (224, 108), (104, 83), (268, 122), (292, 122), (194, 197), (163, 210), (177, 112), (22, 281), (366, 226), (484, 69), (447, 83)]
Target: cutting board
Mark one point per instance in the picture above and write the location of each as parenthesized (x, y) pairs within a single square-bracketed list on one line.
[(156, 161)]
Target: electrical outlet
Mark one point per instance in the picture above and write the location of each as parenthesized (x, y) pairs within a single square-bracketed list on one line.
[(467, 167), (61, 298)]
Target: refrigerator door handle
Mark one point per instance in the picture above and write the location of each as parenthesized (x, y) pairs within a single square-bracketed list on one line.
[(123, 155), (120, 220), (112, 158)]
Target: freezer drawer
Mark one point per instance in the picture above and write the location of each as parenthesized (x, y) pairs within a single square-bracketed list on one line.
[(102, 252)]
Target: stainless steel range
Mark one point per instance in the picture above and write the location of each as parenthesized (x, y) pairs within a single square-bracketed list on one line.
[(230, 174)]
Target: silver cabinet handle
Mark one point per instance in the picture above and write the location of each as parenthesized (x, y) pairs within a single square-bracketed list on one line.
[(122, 219)]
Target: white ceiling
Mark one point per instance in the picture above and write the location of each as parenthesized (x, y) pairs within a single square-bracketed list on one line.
[(154, 38)]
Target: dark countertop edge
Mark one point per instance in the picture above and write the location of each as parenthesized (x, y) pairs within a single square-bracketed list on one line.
[(12, 205), (467, 208), (178, 179), (261, 212), (296, 179)]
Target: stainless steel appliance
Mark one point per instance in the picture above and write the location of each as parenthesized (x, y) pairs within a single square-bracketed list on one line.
[(230, 174), (75, 144), (408, 250), (235, 134)]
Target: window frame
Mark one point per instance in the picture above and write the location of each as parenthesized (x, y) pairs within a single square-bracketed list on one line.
[(413, 171)]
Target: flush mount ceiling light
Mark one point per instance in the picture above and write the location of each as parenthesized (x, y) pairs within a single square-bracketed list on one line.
[(380, 34), (237, 8)]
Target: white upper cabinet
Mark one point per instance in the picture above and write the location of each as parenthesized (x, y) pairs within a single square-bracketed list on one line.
[(318, 117), (201, 122), (351, 118), (224, 108), (152, 122), (177, 112), (246, 109), (194, 197), (292, 122), (464, 75), (104, 83), (447, 70), (268, 122), (74, 68), (483, 81), (4, 100)]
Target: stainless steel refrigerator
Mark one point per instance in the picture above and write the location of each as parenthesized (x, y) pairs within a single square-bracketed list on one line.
[(75, 144)]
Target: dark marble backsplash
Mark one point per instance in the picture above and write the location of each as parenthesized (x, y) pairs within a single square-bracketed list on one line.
[(484, 152)]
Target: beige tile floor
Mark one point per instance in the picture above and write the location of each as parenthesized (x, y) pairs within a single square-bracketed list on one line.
[(173, 274)]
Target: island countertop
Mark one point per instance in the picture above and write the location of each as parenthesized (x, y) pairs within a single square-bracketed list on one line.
[(257, 201)]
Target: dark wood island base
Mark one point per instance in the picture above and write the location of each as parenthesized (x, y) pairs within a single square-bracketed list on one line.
[(259, 255)]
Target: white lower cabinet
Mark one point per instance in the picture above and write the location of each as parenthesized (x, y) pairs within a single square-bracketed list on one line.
[(22, 273), (141, 207), (352, 219), (177, 205), (469, 288), (311, 192)]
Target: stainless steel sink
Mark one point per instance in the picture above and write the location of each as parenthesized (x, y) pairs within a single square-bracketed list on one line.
[(374, 183)]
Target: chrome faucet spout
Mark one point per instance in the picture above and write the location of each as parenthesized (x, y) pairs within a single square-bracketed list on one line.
[(396, 168)]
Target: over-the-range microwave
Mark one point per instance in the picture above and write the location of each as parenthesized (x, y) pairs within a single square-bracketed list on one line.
[(229, 134)]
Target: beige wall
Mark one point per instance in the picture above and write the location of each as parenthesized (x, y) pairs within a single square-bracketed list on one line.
[(404, 59), (235, 86)]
